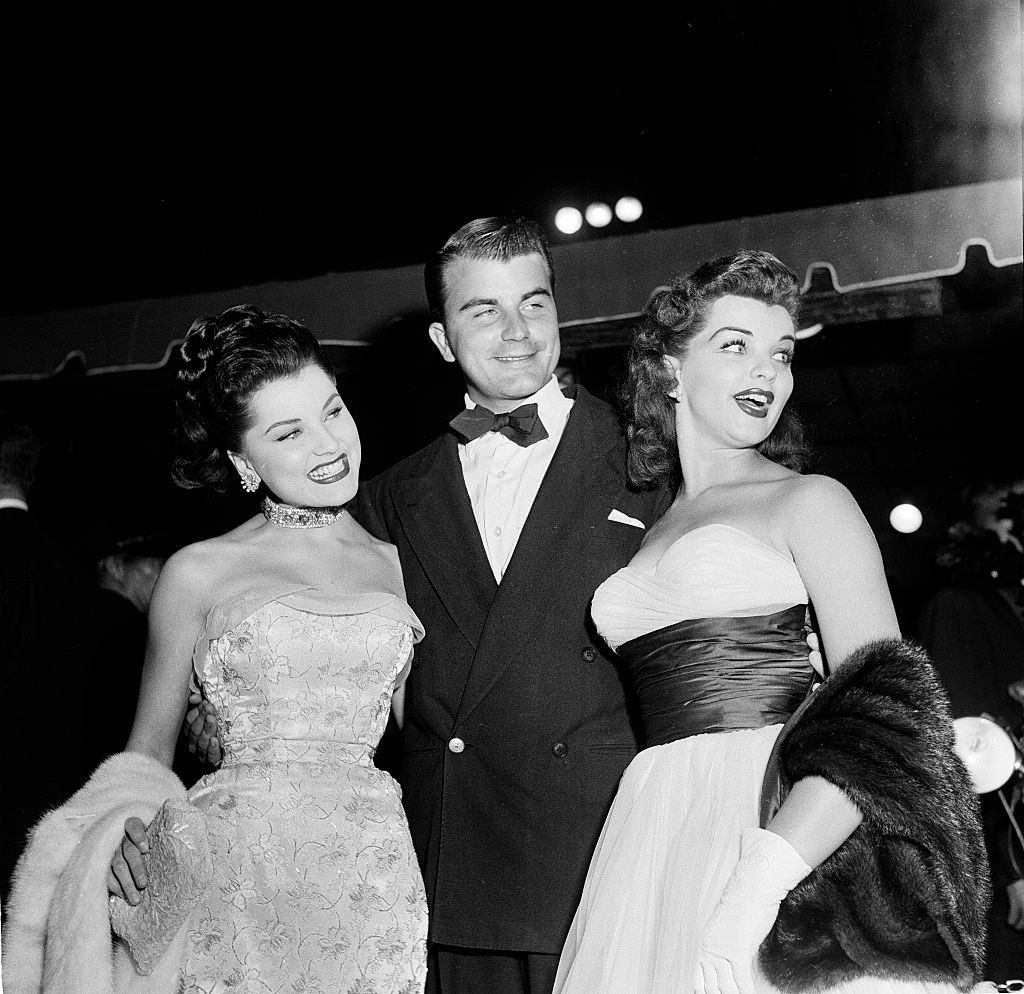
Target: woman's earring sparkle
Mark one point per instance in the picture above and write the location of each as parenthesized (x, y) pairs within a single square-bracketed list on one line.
[(671, 370), (250, 481)]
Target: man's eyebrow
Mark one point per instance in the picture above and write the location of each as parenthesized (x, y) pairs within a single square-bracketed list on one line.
[(476, 302), (330, 400), (539, 291)]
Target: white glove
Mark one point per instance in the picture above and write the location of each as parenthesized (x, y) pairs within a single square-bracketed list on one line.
[(769, 868)]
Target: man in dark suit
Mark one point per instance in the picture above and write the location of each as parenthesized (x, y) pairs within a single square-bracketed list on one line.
[(517, 727)]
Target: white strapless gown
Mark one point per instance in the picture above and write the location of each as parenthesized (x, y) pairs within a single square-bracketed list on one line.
[(672, 836)]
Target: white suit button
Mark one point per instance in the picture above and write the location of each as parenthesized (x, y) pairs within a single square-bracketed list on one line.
[(456, 745)]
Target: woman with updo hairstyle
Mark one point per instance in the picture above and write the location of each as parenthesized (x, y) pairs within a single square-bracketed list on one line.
[(223, 361), (295, 628), (768, 838)]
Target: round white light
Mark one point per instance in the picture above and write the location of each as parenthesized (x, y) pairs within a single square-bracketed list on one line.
[(568, 220), (599, 215), (905, 518), (628, 209)]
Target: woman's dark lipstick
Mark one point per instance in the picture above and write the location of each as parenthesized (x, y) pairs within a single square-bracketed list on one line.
[(754, 402), (341, 462)]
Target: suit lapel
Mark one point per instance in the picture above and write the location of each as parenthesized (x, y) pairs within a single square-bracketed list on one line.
[(578, 478), (437, 517)]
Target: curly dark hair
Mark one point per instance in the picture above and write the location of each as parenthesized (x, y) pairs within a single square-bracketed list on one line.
[(672, 317), (224, 361)]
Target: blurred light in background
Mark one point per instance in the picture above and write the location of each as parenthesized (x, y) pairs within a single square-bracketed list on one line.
[(568, 220), (628, 209), (905, 518), (599, 215)]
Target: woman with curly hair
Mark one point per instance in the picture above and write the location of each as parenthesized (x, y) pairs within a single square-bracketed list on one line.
[(295, 625), (767, 838)]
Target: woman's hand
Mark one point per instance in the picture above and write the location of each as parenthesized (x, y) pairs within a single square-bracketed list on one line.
[(127, 875), (814, 652), (769, 868)]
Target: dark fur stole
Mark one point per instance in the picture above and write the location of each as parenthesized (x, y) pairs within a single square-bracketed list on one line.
[(906, 896)]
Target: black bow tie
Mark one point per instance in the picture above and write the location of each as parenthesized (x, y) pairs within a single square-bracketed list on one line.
[(523, 425)]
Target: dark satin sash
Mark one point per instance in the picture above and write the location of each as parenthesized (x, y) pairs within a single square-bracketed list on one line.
[(719, 674)]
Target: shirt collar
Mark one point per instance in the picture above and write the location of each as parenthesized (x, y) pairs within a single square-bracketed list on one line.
[(13, 502), (551, 402)]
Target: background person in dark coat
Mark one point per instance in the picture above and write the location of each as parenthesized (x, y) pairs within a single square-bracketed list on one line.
[(47, 646), (974, 630), (125, 580)]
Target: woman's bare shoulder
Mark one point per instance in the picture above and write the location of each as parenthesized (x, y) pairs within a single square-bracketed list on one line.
[(201, 566), (802, 494), (816, 509)]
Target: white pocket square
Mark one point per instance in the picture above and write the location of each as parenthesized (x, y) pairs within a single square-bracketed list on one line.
[(625, 519)]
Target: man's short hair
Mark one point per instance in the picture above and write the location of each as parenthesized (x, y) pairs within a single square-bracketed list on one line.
[(497, 238)]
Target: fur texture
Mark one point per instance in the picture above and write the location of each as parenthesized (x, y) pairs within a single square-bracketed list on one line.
[(906, 896), (58, 937)]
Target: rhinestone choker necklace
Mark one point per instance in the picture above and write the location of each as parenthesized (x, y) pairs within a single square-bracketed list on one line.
[(288, 516)]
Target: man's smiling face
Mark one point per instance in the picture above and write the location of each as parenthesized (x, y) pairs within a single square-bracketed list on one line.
[(500, 326)]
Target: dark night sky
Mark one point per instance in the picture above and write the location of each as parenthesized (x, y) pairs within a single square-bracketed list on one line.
[(200, 147), (168, 150)]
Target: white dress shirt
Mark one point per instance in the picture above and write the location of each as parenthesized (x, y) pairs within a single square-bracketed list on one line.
[(503, 478)]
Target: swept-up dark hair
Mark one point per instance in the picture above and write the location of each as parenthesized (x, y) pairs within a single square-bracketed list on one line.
[(224, 361), (673, 316), (496, 238)]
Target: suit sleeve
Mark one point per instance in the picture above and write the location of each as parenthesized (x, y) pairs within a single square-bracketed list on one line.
[(368, 508)]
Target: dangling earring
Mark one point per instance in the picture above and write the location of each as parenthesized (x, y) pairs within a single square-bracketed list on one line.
[(671, 394), (249, 480)]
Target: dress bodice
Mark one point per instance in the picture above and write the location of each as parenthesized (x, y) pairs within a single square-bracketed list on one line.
[(713, 636), (715, 571), (713, 641), (297, 674), (316, 885)]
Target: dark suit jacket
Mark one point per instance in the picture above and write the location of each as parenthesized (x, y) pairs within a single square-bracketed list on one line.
[(505, 819), (46, 649)]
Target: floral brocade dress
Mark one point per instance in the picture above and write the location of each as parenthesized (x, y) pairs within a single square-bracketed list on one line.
[(316, 886)]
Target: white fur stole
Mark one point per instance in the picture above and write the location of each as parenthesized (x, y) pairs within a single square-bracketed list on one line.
[(58, 938)]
